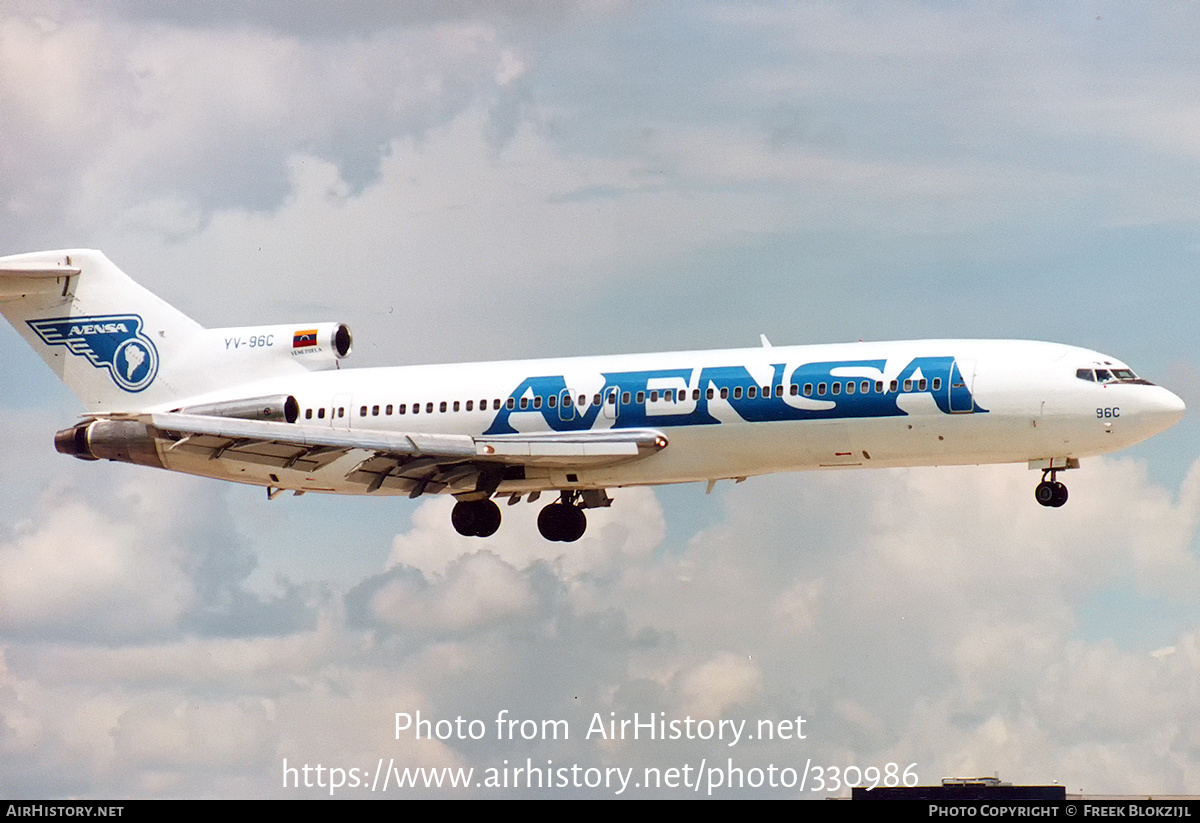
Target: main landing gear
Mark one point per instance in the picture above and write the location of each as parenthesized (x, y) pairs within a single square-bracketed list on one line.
[(475, 518), (1050, 492), (562, 521)]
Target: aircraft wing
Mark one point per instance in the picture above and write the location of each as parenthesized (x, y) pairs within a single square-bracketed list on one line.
[(400, 461)]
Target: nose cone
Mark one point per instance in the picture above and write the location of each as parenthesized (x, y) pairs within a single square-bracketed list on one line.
[(1162, 410)]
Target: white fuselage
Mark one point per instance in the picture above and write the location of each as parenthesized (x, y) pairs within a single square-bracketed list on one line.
[(909, 403)]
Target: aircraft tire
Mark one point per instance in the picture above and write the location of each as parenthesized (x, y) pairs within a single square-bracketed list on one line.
[(1046, 494), (550, 522), (562, 523), (475, 518), (574, 525), (463, 518), (487, 518)]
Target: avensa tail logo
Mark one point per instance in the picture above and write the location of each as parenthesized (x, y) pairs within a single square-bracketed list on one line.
[(113, 342)]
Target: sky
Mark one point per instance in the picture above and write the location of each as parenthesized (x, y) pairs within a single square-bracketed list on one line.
[(476, 181)]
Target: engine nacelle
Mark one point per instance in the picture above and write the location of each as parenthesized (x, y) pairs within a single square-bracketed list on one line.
[(281, 409), (259, 349), (126, 441)]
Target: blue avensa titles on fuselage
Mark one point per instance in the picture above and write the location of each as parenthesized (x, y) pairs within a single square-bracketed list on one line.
[(626, 396)]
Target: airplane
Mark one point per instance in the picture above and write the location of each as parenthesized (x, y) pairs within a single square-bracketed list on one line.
[(272, 406)]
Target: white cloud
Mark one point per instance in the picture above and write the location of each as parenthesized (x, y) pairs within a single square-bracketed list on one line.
[(479, 590), (79, 568), (714, 688), (626, 532), (891, 655), (105, 116)]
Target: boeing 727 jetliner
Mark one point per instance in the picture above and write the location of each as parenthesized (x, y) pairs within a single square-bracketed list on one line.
[(272, 406)]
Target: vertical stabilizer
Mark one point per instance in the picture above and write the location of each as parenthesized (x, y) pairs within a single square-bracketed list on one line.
[(109, 339)]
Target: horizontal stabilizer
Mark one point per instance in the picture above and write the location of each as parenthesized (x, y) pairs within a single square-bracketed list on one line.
[(37, 268), (23, 275)]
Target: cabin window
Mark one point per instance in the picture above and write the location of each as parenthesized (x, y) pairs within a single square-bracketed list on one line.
[(416, 408), (641, 397), (524, 402), (653, 397), (820, 389), (921, 384), (752, 392), (402, 408), (724, 394), (429, 408), (865, 387), (779, 390), (837, 387), (308, 414), (879, 387), (795, 390), (850, 387), (737, 393), (937, 383), (341, 411), (908, 385), (362, 412), (320, 414), (552, 400), (537, 402), (624, 398), (596, 400), (695, 394), (470, 405), (511, 404), (455, 407), (709, 394), (808, 389)]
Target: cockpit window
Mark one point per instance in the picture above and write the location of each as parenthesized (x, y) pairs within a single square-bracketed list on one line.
[(1111, 376)]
